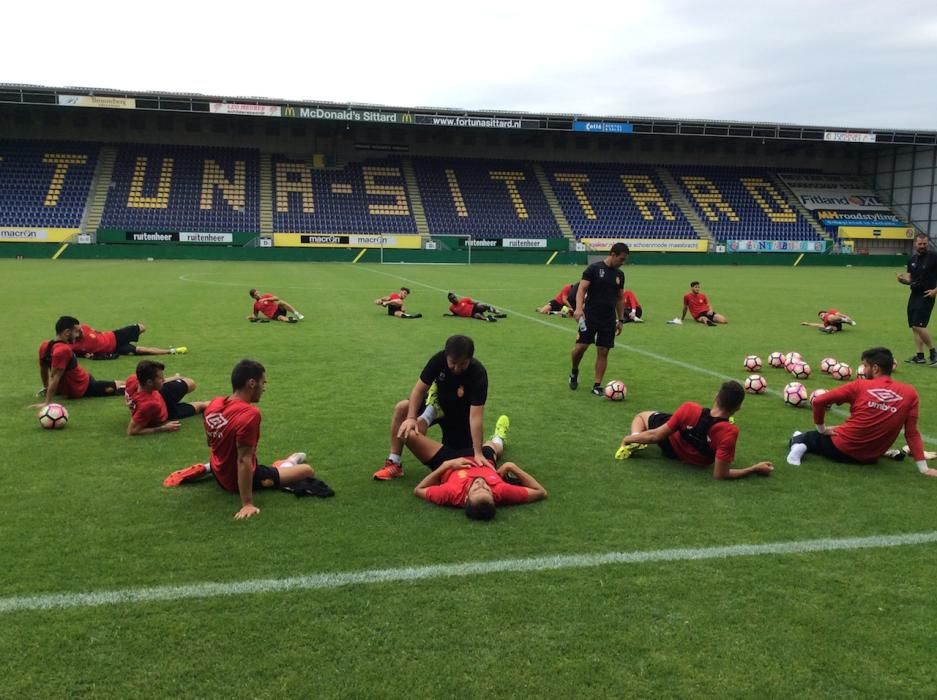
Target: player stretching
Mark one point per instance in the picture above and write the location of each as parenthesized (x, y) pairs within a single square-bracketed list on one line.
[(467, 307), (60, 371), (561, 304), (109, 345), (698, 305), (879, 408), (695, 435), (394, 304), (155, 403), (832, 321), (273, 308)]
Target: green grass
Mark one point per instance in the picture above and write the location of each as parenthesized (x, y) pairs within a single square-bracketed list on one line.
[(84, 510)]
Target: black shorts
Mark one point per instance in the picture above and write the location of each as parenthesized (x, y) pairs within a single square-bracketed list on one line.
[(638, 312), (711, 315), (279, 312), (173, 391), (838, 325), (266, 477), (555, 305), (455, 433), (446, 453), (655, 420), (126, 336), (102, 387), (823, 445), (919, 310), (393, 308), (598, 331)]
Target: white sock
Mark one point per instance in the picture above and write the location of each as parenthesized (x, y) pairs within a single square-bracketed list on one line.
[(394, 457), (498, 441), (172, 351), (429, 414), (207, 466), (798, 450)]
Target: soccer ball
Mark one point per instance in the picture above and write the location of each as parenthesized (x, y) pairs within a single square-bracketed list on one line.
[(826, 363), (860, 372), (776, 359), (800, 369), (841, 371), (815, 393), (615, 390), (792, 357), (53, 416), (752, 363), (795, 394), (755, 384)]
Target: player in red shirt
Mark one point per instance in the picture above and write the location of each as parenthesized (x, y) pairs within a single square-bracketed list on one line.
[(232, 426), (462, 482), (695, 435), (60, 372), (560, 304), (879, 408), (697, 304), (155, 403), (633, 312), (469, 308), (108, 345), (394, 304), (831, 321), (273, 309)]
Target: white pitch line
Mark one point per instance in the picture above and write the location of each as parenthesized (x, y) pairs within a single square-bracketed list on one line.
[(59, 601), (623, 346)]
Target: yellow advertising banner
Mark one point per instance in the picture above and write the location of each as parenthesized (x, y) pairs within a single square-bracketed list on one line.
[(890, 232), (36, 235), (673, 245), (344, 240), (97, 101)]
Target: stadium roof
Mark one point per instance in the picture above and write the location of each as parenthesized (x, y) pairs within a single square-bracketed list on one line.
[(36, 95)]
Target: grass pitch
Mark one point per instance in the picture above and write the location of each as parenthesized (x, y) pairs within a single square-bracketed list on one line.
[(84, 510)]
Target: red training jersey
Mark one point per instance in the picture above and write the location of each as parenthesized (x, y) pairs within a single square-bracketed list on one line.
[(464, 307), (230, 422), (95, 342), (722, 437), (564, 293), (266, 305), (828, 317), (74, 382), (631, 301), (696, 303), (879, 409), (455, 484), (393, 296), (147, 408)]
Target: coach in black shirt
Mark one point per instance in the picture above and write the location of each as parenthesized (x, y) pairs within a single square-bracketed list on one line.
[(922, 278), (599, 309)]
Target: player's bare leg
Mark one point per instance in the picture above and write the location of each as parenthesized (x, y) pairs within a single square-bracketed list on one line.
[(579, 349), (719, 318), (638, 425)]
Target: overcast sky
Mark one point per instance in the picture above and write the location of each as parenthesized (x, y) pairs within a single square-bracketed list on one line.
[(859, 63)]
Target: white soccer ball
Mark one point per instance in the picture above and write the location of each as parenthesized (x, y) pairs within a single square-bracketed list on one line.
[(755, 384), (826, 363), (53, 416), (815, 393), (795, 394), (615, 390), (841, 371), (752, 363), (776, 359), (800, 369), (860, 372), (792, 357)]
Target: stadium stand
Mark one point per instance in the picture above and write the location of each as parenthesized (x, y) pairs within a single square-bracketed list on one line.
[(182, 188), (483, 199), (367, 197), (738, 203), (44, 184), (614, 200)]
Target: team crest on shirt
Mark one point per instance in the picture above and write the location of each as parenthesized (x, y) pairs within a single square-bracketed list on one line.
[(215, 421), (602, 274)]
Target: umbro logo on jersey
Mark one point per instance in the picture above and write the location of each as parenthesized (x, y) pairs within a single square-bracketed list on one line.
[(215, 421), (885, 395)]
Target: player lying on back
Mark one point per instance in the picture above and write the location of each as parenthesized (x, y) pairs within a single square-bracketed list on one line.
[(697, 304), (155, 403), (268, 307), (109, 345), (831, 321), (460, 481), (60, 372), (879, 409), (394, 304), (469, 308), (562, 304), (695, 435)]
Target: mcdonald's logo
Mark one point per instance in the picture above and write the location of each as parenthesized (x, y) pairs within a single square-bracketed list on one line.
[(289, 111), (406, 118)]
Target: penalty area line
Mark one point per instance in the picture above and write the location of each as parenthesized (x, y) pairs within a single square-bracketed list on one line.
[(312, 582)]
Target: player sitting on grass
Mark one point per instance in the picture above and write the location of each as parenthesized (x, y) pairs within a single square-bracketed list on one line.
[(109, 345), (232, 425), (697, 304), (633, 312), (273, 309), (879, 408), (394, 304), (832, 321), (695, 435), (561, 304), (458, 480), (469, 308), (155, 403), (60, 371)]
